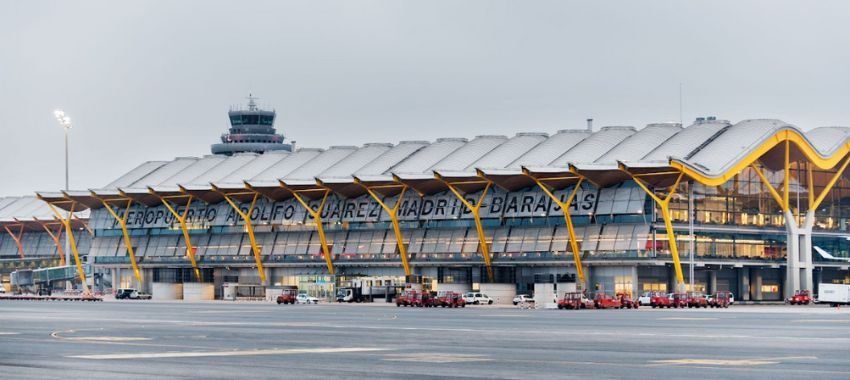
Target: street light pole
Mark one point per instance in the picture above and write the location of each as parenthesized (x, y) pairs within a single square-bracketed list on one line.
[(65, 122)]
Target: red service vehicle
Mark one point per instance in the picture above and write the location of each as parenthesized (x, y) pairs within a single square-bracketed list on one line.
[(449, 299), (574, 301), (406, 298), (721, 299), (604, 301), (660, 299), (678, 300), (287, 295), (627, 302), (457, 300), (697, 299), (800, 297)]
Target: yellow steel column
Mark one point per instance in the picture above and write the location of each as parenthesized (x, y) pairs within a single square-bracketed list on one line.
[(668, 224), (56, 236), (317, 217), (830, 184), (811, 185), (249, 228), (122, 221), (482, 238), (393, 213), (72, 242), (569, 222), (181, 219), (780, 199), (17, 239)]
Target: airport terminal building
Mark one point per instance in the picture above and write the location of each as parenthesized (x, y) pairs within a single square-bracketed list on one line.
[(762, 206)]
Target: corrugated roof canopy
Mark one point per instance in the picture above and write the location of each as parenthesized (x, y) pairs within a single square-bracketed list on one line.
[(709, 151)]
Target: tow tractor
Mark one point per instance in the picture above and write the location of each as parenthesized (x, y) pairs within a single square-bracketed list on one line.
[(678, 300), (421, 299), (406, 298), (287, 295), (660, 299), (449, 299), (604, 301), (721, 299), (696, 299), (574, 301), (626, 301), (800, 297)]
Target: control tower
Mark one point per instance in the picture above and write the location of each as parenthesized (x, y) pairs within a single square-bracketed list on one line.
[(251, 130)]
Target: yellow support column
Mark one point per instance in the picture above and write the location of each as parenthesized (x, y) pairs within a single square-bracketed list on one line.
[(73, 243), (181, 219), (317, 217), (569, 222), (56, 236), (17, 239), (393, 213), (122, 221), (668, 224), (476, 208), (249, 228)]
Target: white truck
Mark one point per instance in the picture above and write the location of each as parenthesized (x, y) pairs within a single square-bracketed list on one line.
[(834, 294)]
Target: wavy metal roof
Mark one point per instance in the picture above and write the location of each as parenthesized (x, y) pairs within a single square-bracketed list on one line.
[(706, 151), (594, 146), (428, 156), (356, 161), (257, 166), (503, 155), (549, 150), (684, 142), (135, 175)]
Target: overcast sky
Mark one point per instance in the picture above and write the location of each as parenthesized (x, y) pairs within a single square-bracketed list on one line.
[(151, 80)]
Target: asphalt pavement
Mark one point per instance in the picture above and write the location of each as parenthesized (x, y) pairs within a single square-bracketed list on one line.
[(221, 340)]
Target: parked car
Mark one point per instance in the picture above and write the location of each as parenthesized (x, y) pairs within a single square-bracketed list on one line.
[(131, 294), (305, 299), (523, 298), (143, 296), (645, 299), (477, 298), (800, 297)]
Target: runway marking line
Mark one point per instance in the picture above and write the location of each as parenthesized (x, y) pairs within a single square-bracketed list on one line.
[(426, 357), (199, 354), (9, 333), (107, 338), (822, 320), (730, 362), (687, 319)]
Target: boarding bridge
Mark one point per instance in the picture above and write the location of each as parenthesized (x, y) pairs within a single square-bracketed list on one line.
[(46, 276)]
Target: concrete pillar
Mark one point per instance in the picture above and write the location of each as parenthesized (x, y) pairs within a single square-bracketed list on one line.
[(757, 281), (792, 266), (712, 282), (744, 283), (114, 278), (805, 248), (635, 289), (588, 278)]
